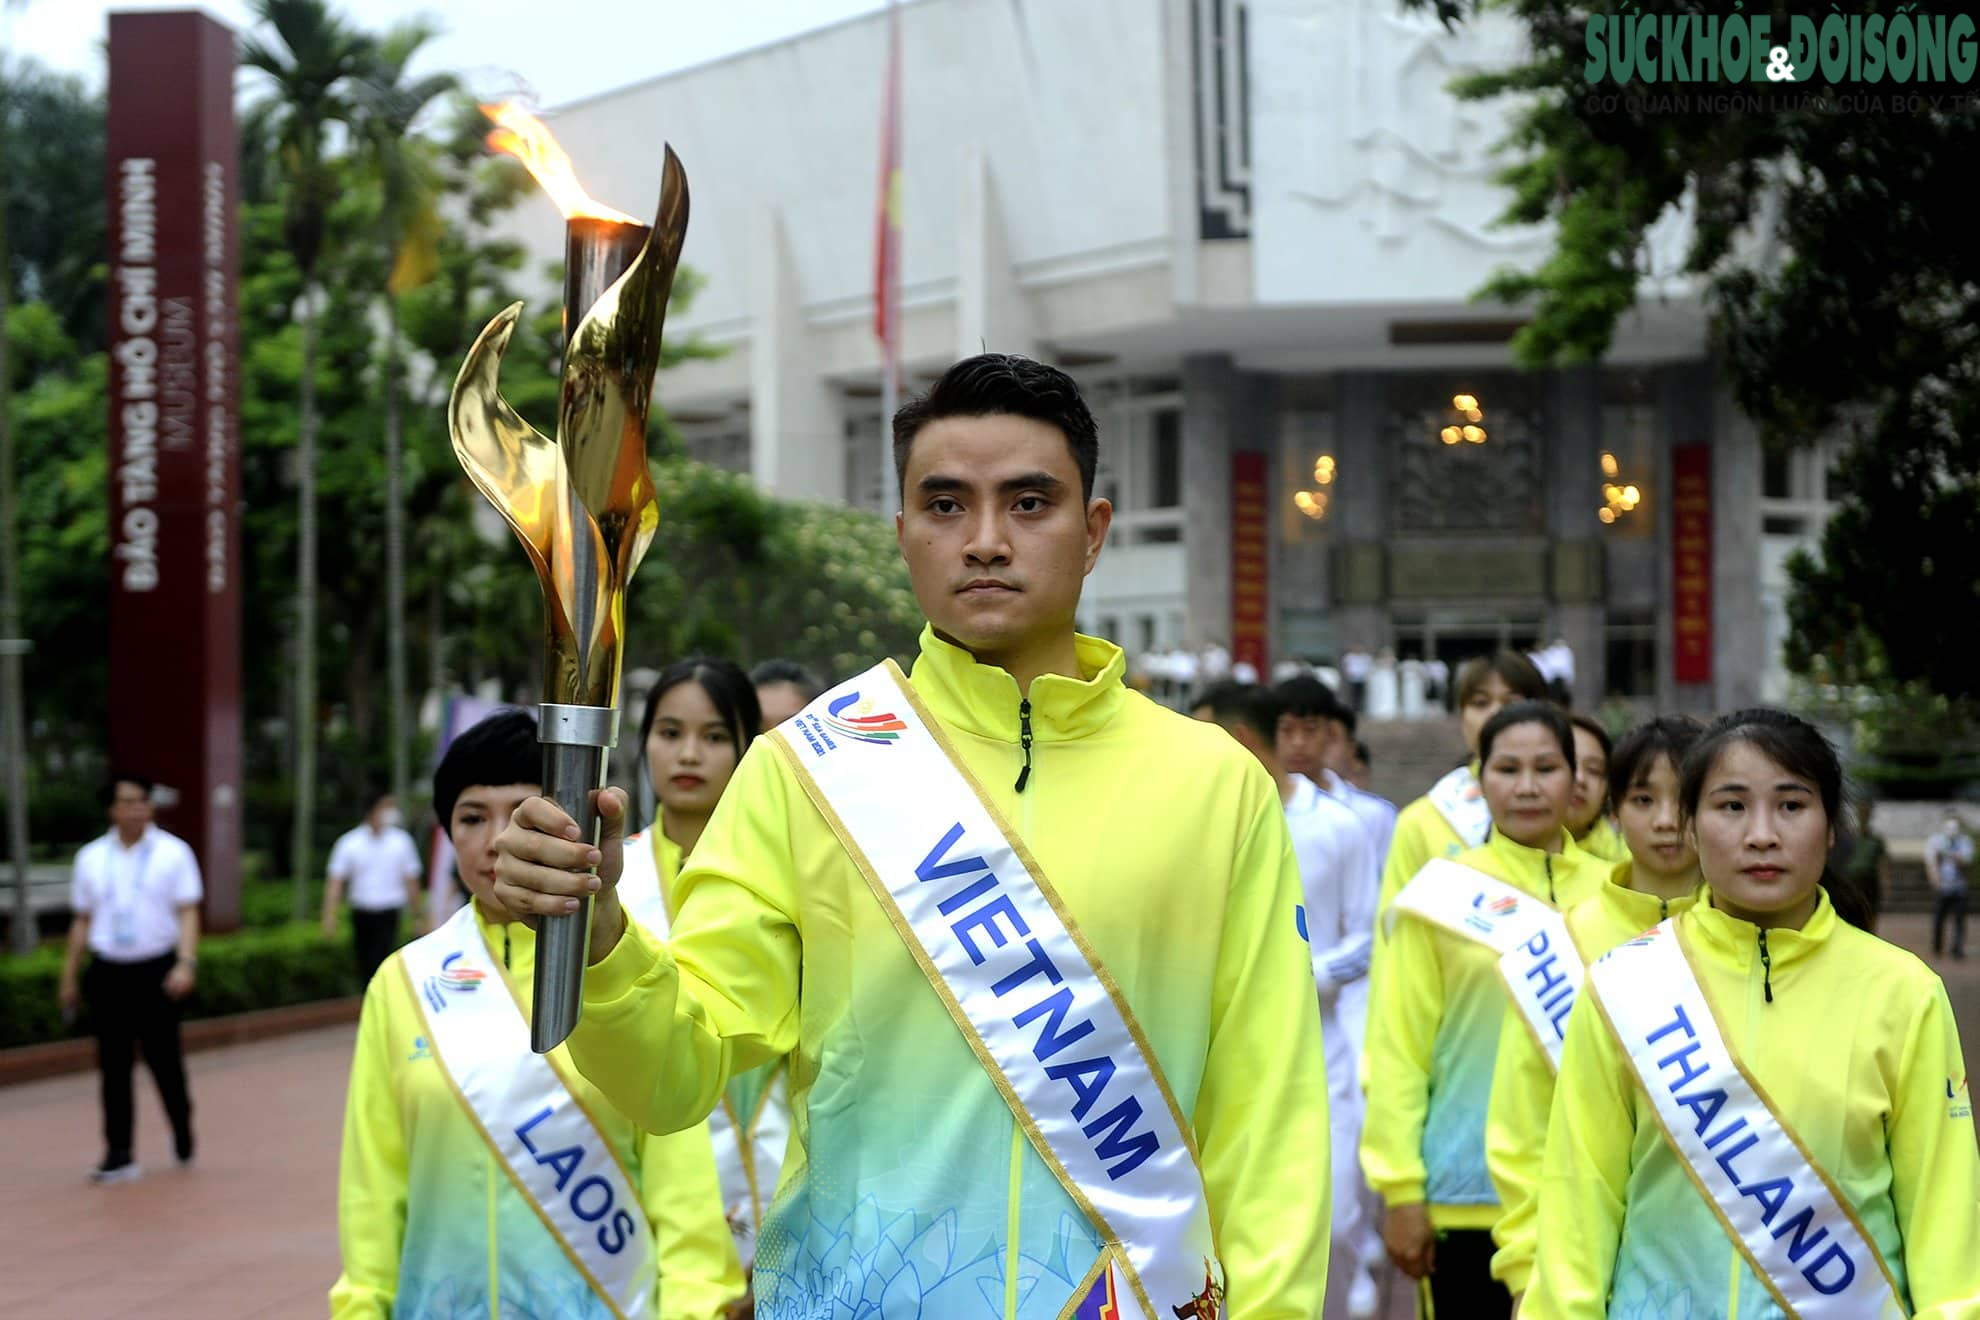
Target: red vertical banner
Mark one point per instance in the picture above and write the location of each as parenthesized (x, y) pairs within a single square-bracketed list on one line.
[(1250, 556), (1691, 562), (175, 604), (887, 218)]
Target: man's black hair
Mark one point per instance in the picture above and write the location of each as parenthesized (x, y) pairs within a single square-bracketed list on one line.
[(787, 671), (499, 750), (1307, 697), (1003, 384), (108, 793), (1241, 703)]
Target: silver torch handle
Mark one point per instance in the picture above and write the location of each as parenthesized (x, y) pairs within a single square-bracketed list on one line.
[(577, 740)]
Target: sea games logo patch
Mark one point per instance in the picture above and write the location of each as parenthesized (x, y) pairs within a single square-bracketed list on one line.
[(852, 718), (452, 980), (862, 725), (1485, 915), (1959, 1099)]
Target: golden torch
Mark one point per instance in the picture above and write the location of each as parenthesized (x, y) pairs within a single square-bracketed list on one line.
[(584, 506)]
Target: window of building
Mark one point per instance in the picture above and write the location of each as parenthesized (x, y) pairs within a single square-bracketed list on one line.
[(869, 467), (1141, 467), (1776, 473), (1630, 654), (1309, 477), (1165, 460), (720, 444), (1623, 486)]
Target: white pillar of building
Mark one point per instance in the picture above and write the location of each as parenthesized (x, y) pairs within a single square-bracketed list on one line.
[(795, 445), (992, 315)]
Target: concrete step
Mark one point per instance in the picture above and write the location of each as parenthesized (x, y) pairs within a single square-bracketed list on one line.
[(1411, 755)]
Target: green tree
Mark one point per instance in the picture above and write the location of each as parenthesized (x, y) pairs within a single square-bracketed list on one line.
[(310, 67), (391, 101), (1841, 278)]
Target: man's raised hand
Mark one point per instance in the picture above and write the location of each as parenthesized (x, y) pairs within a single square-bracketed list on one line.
[(541, 860)]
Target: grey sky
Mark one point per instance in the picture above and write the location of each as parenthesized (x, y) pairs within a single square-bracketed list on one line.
[(548, 52)]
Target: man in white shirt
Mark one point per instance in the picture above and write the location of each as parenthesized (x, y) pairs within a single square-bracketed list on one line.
[(380, 867), (1313, 737), (135, 898), (1339, 881)]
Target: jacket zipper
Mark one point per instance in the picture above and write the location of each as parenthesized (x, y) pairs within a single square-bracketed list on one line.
[(1766, 967), (1014, 1209), (1548, 861), (1024, 741)]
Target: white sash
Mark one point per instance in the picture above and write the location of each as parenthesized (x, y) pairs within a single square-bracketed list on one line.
[(1778, 1205), (542, 1137), (1459, 799), (1042, 1015), (749, 1148), (1537, 958)]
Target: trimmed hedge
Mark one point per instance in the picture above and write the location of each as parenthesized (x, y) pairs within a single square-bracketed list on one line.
[(238, 973)]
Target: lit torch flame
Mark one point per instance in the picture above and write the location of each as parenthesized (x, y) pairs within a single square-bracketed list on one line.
[(521, 134)]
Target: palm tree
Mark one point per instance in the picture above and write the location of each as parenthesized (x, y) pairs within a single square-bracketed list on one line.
[(409, 229), (310, 67)]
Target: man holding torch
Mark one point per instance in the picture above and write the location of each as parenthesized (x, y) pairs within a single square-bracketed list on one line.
[(1034, 943)]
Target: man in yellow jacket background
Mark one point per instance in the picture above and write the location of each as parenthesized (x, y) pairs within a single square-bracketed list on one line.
[(910, 1180)]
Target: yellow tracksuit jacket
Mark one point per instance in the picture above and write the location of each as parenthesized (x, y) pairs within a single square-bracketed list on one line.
[(908, 1179), (432, 1226), (1604, 841), (1858, 1053), (751, 1124), (1523, 1079), (1421, 833), (1433, 1037)]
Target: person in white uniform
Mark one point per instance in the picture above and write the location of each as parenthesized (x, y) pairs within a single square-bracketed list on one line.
[(1314, 738), (1339, 879), (135, 897), (378, 866)]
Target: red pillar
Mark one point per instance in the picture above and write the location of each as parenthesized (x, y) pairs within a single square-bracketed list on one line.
[(175, 650)]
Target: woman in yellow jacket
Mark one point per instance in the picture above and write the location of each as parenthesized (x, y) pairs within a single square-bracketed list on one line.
[(1660, 877), (1434, 1024), (701, 716), (430, 1221), (1452, 816), (1589, 822), (1426, 828), (1840, 1041)]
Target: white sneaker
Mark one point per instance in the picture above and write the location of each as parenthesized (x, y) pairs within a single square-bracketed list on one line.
[(104, 1175), (1363, 1296)]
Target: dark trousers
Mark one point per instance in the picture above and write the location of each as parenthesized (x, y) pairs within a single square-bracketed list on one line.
[(374, 934), (1461, 1286), (129, 1004), (1950, 906)]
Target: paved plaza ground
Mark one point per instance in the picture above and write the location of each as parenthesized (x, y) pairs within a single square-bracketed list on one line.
[(250, 1231)]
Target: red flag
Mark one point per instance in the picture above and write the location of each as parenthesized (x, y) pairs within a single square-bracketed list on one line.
[(887, 236)]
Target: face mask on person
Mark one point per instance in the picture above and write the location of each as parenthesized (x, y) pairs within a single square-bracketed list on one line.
[(389, 818)]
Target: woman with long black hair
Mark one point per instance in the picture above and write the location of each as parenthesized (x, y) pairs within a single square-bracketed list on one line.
[(701, 714), (1761, 1110)]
